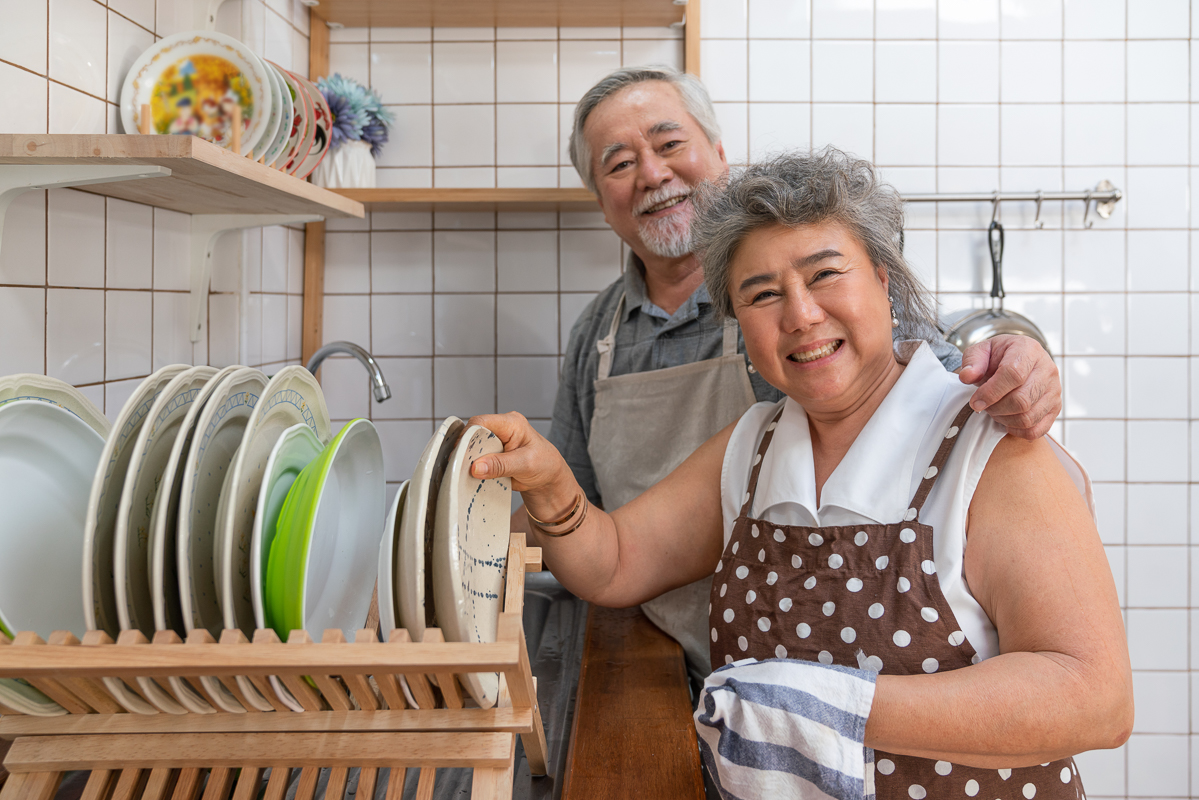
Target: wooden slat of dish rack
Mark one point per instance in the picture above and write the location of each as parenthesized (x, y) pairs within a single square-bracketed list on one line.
[(204, 179), (356, 719)]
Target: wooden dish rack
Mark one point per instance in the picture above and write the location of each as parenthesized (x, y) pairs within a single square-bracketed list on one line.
[(356, 716)]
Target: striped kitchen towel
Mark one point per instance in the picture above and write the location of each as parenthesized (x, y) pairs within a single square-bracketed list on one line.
[(786, 728)]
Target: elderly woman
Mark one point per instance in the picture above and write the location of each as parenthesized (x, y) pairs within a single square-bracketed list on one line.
[(870, 519)]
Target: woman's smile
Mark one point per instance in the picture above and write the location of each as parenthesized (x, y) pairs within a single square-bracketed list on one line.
[(809, 355)]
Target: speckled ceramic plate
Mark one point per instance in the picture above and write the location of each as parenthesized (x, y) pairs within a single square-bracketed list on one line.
[(26, 386)]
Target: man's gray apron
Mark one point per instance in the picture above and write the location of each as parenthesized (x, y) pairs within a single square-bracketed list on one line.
[(645, 424)]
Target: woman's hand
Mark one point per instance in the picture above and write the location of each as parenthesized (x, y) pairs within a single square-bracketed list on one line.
[(535, 466), (1018, 384)]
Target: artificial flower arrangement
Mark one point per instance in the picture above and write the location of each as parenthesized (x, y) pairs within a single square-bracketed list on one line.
[(359, 131)]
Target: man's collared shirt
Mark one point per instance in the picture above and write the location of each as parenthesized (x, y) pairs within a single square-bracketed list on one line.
[(648, 339)]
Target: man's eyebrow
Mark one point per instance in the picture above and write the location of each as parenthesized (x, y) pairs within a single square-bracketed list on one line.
[(665, 126), (806, 261), (611, 150)]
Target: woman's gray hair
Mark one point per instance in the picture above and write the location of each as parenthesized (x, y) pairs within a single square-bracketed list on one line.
[(691, 91), (795, 189)]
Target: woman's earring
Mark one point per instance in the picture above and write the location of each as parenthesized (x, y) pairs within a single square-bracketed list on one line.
[(894, 319), (751, 369)]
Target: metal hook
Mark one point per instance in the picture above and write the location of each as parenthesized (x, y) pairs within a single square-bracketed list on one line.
[(1037, 221), (995, 208), (1087, 222)]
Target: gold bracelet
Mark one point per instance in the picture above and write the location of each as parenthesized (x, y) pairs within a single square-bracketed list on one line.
[(569, 530), (574, 510)]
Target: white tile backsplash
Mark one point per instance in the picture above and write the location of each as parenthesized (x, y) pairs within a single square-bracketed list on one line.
[(842, 71), (780, 71)]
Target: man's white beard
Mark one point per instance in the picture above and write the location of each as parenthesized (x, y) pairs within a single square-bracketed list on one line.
[(666, 238)]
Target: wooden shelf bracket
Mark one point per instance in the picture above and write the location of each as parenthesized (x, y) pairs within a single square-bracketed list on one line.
[(16, 179), (205, 230)]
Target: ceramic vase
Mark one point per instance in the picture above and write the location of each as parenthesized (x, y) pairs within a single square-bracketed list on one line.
[(350, 166)]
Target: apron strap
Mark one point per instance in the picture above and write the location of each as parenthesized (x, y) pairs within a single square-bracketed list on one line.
[(752, 489), (930, 476), (729, 346), (606, 345)]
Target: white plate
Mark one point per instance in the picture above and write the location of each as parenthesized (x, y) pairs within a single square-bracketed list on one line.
[(296, 449), (470, 552), (413, 583), (163, 560), (219, 432), (221, 70), (48, 457), (275, 119), (99, 588), (292, 397), (388, 565), (344, 540), (287, 113), (151, 450), (20, 696), (25, 386)]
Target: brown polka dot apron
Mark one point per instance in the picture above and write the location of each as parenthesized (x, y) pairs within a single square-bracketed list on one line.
[(864, 596)]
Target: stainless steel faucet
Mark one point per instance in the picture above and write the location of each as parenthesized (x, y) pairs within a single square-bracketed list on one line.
[(378, 385)]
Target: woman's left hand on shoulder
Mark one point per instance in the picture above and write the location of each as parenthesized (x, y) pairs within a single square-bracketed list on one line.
[(1018, 384)]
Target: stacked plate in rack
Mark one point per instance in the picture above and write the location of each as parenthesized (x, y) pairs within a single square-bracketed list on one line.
[(192, 82)]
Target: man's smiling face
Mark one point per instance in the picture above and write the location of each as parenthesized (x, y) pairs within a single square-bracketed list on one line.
[(647, 154)]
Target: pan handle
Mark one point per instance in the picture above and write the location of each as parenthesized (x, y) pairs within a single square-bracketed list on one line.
[(995, 240)]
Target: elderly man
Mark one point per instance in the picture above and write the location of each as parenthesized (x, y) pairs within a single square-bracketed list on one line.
[(650, 374)]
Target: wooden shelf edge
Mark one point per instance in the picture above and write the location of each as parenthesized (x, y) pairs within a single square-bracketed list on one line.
[(473, 199), (496, 13)]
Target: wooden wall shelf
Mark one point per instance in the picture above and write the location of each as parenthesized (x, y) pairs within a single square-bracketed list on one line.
[(204, 179), (472, 199), (504, 13)]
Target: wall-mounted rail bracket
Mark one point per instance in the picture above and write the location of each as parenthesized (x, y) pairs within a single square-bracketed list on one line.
[(16, 179), (205, 230), (204, 14)]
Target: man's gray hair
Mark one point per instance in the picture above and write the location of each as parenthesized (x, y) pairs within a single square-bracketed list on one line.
[(796, 189), (691, 91)]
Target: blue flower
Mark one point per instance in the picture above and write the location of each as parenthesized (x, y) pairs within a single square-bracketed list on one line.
[(358, 113)]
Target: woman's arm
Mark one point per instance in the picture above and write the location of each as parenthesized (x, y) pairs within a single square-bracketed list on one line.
[(1063, 683), (668, 537)]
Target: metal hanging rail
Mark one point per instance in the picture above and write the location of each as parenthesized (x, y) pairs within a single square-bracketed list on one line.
[(1104, 196)]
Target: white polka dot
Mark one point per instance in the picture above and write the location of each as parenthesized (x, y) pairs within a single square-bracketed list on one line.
[(825, 657), (709, 609), (736, 546), (902, 638), (815, 539), (728, 615), (803, 630), (907, 536), (728, 659), (785, 604), (930, 665), (929, 614), (763, 624), (885, 766), (828, 608), (753, 530), (745, 499), (796, 562), (875, 611), (917, 792), (952, 432), (780, 652), (1065, 776), (928, 566), (810, 582), (875, 663), (757, 459), (749, 596), (881, 562), (835, 561), (956, 638), (1029, 791), (714, 634), (904, 584), (930, 473), (742, 571), (720, 565), (774, 425), (742, 643), (974, 659), (848, 635), (1045, 764), (860, 538), (910, 514), (1005, 773), (724, 587), (779, 536), (761, 555), (943, 767), (854, 584), (971, 788), (772, 578)]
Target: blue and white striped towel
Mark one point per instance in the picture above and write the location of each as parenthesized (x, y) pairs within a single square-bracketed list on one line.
[(786, 728)]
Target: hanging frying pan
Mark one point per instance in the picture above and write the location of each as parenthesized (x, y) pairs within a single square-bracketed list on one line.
[(978, 326)]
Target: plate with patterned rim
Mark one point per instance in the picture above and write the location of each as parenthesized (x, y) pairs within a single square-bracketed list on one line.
[(27, 386), (287, 117), (323, 118)]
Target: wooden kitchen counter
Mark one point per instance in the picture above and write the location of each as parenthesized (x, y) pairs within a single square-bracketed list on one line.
[(632, 734)]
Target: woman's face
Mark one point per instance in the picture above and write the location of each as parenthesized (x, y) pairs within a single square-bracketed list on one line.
[(814, 312)]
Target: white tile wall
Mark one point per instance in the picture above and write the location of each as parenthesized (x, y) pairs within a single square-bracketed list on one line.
[(94, 290)]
